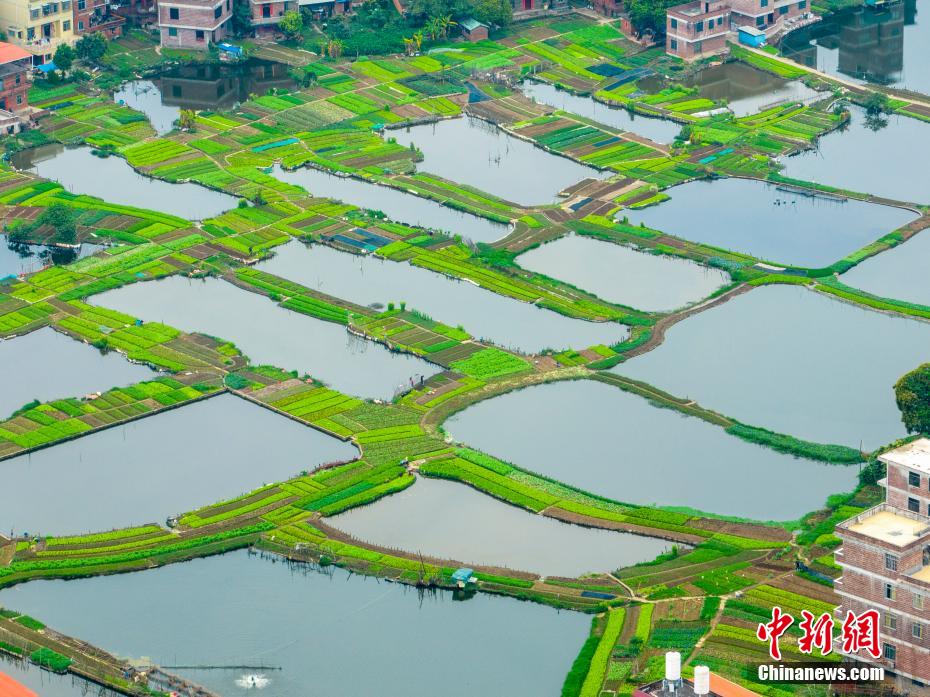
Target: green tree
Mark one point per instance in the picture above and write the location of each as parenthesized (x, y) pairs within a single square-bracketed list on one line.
[(242, 18), (292, 24), (912, 393), (493, 12), (63, 219), (649, 14), (91, 47), (877, 103), (64, 57), (187, 119)]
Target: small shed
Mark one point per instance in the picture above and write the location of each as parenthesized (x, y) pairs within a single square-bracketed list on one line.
[(473, 30), (463, 577), (751, 36)]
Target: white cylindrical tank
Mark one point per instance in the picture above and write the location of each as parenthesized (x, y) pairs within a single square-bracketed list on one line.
[(701, 680), (672, 666)]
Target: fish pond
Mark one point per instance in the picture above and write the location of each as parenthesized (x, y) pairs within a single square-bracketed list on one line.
[(497, 534), (658, 130), (369, 280), (397, 205), (899, 273), (473, 152), (885, 45), (747, 90), (149, 469), (793, 361), (268, 333), (624, 275), (145, 96), (45, 365), (17, 259), (784, 227), (219, 610), (116, 181), (602, 439), (855, 157)]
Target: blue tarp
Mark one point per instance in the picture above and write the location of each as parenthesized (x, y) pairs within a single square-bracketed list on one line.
[(229, 48), (47, 67), (462, 575)]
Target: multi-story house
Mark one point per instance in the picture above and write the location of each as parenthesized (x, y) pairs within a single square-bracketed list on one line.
[(193, 23), (697, 28), (96, 16), (885, 558), (701, 27), (38, 26)]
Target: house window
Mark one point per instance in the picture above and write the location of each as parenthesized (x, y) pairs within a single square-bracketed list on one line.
[(802, 4), (699, 27), (175, 90), (217, 13), (172, 31), (674, 23), (19, 79), (763, 3), (891, 623), (890, 593), (82, 4), (719, 21), (913, 479), (19, 99), (783, 10), (891, 562), (174, 13), (198, 35), (65, 6), (760, 21), (227, 5), (890, 652), (81, 25), (66, 25), (913, 505), (917, 630), (674, 45), (266, 10), (918, 601)]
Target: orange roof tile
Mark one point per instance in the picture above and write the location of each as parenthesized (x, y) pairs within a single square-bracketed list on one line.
[(10, 53), (726, 688), (10, 688)]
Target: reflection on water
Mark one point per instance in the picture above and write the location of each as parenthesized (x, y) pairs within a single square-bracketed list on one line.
[(651, 455), (338, 635), (497, 534), (219, 447), (367, 280), (470, 151), (17, 259), (46, 364), (268, 333), (397, 205), (747, 90), (793, 361), (658, 130), (888, 45), (116, 181)]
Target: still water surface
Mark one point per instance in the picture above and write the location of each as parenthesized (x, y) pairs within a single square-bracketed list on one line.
[(900, 273), (623, 275), (397, 205), (496, 534), (146, 470), (368, 280), (46, 364), (601, 439), (267, 333), (793, 361), (470, 151), (340, 636), (770, 223), (116, 182), (658, 130)]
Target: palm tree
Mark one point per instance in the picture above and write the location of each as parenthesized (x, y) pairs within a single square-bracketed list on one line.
[(445, 24), (418, 40)]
